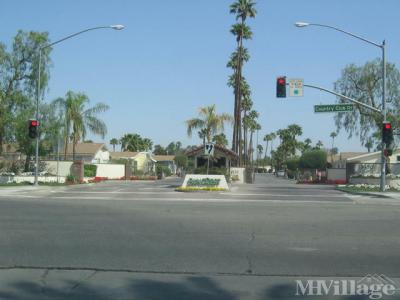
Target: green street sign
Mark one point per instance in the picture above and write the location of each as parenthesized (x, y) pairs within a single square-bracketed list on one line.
[(333, 108)]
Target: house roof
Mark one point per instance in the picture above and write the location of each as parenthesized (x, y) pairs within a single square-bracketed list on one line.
[(343, 156), (84, 148), (124, 154), (164, 157), (218, 148)]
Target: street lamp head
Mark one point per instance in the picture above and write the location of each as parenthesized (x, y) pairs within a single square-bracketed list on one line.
[(301, 24), (117, 27)]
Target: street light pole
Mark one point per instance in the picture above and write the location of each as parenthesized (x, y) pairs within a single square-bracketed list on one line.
[(115, 27), (383, 110)]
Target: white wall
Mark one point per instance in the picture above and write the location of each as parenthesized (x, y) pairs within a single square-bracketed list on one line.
[(112, 171), (64, 167), (101, 157), (336, 174)]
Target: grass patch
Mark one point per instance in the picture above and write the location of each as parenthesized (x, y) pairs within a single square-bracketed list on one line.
[(363, 189)]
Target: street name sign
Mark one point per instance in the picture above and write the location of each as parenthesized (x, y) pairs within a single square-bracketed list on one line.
[(209, 149), (296, 87), (333, 108)]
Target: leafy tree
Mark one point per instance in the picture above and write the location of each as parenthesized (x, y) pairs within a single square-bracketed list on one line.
[(364, 83), (313, 159), (114, 142), (209, 121), (181, 160), (79, 119), (220, 139), (159, 150), (18, 77)]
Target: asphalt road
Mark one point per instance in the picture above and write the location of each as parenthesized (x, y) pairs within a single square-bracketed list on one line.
[(143, 240)]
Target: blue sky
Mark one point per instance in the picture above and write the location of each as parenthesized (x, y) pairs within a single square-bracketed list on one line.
[(171, 58)]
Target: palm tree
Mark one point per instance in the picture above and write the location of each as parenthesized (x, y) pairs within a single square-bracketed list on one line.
[(242, 9), (369, 144), (114, 142), (273, 137), (78, 119), (319, 145), (266, 139), (209, 121), (332, 135), (134, 143)]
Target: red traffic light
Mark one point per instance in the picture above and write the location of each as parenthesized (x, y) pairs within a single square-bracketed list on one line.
[(34, 123), (388, 126), (281, 81)]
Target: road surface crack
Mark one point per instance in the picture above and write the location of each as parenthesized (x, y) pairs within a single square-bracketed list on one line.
[(87, 278), (248, 257), (43, 280)]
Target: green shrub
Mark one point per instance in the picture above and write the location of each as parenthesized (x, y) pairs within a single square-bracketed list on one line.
[(89, 170), (313, 159), (71, 178), (293, 163)]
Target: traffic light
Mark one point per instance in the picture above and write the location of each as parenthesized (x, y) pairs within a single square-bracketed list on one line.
[(281, 87), (33, 128), (388, 152), (387, 133)]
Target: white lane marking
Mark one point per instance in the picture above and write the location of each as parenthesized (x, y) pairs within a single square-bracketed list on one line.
[(286, 195), (222, 193), (188, 199), (305, 249)]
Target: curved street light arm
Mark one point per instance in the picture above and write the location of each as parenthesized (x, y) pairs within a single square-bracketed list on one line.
[(348, 33), (73, 35)]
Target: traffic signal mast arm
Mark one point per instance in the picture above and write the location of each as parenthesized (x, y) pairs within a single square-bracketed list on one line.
[(343, 97)]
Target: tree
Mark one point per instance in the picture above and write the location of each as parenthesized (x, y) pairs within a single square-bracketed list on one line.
[(242, 9), (114, 142), (266, 139), (209, 121), (364, 83), (18, 77), (135, 143), (220, 139), (314, 159), (159, 150), (332, 135), (369, 144), (79, 119), (289, 144), (319, 145)]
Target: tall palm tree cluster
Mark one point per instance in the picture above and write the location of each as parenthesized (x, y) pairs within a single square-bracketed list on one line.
[(77, 119), (244, 116)]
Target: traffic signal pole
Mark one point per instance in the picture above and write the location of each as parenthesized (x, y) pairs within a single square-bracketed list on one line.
[(383, 158), (36, 182)]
